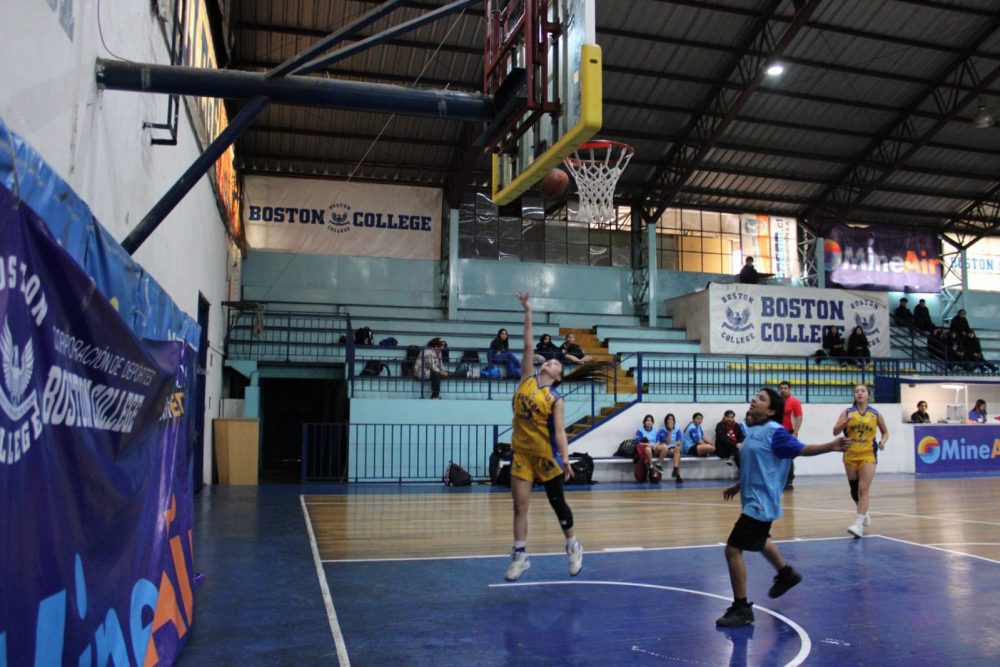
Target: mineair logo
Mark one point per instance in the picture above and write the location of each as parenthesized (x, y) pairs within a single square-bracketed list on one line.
[(929, 449)]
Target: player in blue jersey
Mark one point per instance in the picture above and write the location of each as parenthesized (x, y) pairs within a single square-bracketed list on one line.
[(765, 457)]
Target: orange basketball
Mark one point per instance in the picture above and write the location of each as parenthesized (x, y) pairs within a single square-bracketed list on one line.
[(553, 185)]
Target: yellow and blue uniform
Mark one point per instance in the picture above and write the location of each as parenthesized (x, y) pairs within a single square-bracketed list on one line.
[(536, 452), (860, 430)]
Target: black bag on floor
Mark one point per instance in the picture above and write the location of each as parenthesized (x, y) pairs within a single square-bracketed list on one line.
[(626, 449), (501, 452), (374, 368), (583, 468), (364, 336), (456, 475)]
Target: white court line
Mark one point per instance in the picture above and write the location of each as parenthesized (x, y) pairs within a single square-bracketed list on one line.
[(331, 614), (963, 544), (929, 546), (804, 649), (713, 545)]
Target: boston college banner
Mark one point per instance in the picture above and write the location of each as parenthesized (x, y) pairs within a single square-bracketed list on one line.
[(340, 218), (760, 319)]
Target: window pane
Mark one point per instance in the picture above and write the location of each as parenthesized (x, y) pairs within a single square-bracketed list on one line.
[(712, 263), (710, 221), (600, 255), (466, 249), (690, 262), (533, 230), (577, 232), (621, 256), (669, 261), (670, 219), (730, 223), (555, 231), (510, 228), (600, 237), (486, 248), (691, 220), (577, 254), (555, 253), (533, 252), (510, 250), (710, 245)]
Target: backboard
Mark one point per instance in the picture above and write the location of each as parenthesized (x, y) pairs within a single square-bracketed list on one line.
[(547, 51)]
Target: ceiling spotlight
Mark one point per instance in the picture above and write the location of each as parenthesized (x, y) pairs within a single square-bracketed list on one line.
[(983, 117), (775, 69)]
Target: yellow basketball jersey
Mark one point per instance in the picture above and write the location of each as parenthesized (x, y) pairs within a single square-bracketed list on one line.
[(861, 428), (533, 428)]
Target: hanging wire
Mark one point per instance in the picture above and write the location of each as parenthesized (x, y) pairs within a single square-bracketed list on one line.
[(391, 118)]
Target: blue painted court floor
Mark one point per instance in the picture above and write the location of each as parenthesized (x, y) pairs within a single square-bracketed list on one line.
[(876, 601)]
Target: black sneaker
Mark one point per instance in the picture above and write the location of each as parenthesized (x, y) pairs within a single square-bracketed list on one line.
[(782, 582), (736, 617), (675, 473), (658, 467)]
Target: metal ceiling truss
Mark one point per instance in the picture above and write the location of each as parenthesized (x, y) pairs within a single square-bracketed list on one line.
[(898, 142), (809, 259), (979, 219), (640, 262), (721, 105)]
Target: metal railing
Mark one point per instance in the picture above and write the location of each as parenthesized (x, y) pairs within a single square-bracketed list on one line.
[(395, 452), (288, 331)]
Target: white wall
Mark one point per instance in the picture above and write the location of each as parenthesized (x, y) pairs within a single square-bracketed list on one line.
[(95, 141), (817, 427)]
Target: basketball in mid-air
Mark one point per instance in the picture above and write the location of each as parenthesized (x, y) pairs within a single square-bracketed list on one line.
[(554, 184)]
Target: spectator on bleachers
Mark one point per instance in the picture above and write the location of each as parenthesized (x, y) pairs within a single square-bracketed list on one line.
[(573, 353), (748, 274), (674, 440), (959, 324), (974, 352), (977, 415), (833, 344), (428, 366), (902, 315), (857, 346), (922, 317), (937, 344), (649, 441), (546, 350), (499, 354), (728, 438), (921, 416), (693, 442), (955, 351)]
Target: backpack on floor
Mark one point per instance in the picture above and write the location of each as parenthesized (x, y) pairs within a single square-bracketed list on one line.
[(641, 470), (388, 342), (501, 453), (583, 468), (456, 475)]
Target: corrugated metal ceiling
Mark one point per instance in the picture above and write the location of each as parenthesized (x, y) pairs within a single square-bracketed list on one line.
[(871, 120)]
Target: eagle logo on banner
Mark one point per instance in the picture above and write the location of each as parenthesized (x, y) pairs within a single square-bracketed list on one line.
[(866, 323), (737, 320), (18, 363)]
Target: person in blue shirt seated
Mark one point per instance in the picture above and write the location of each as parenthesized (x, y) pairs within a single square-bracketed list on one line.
[(647, 440), (672, 437), (765, 457), (694, 443), (977, 415)]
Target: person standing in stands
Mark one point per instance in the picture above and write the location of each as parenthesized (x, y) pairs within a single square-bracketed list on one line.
[(499, 354), (921, 416), (765, 455), (748, 274), (541, 450), (859, 423), (902, 315), (977, 415), (791, 420), (922, 317)]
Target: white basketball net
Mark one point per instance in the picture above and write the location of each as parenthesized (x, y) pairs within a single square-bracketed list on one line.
[(596, 167)]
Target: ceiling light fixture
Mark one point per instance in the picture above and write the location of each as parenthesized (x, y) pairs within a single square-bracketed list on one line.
[(983, 117), (775, 69)]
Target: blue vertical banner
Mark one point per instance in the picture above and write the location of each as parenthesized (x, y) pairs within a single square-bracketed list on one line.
[(95, 466), (890, 259)]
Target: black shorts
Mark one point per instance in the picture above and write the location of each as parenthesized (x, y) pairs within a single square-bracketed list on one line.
[(749, 534)]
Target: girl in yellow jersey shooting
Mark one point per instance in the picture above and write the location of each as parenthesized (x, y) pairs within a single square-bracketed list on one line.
[(859, 423), (540, 448)]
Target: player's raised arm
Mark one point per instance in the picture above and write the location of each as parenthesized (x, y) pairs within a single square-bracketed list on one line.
[(527, 360)]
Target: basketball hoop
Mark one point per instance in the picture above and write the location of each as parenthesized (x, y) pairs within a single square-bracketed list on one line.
[(596, 166)]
